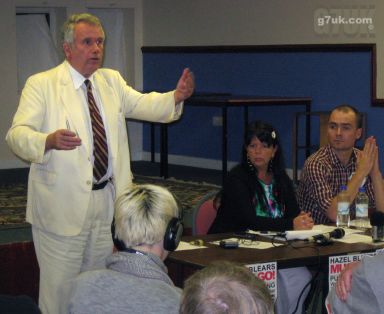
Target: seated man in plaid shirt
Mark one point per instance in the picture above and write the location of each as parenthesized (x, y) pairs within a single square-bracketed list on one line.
[(340, 163)]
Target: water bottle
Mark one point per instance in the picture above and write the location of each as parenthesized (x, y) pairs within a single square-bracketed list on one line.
[(362, 209), (342, 208)]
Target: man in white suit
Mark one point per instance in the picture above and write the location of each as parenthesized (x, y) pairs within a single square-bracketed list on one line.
[(70, 210)]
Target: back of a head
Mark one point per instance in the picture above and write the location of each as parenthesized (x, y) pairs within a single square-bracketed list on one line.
[(142, 214), (225, 287)]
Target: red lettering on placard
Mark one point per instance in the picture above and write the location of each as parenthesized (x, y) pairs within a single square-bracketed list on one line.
[(266, 275), (336, 268)]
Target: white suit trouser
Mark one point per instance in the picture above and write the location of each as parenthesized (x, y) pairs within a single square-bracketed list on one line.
[(62, 258)]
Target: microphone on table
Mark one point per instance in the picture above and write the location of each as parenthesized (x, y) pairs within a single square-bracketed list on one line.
[(326, 238), (377, 223)]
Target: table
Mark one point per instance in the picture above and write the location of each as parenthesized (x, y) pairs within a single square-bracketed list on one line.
[(181, 264), (224, 101)]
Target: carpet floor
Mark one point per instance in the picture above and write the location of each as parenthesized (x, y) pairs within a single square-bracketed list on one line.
[(13, 198)]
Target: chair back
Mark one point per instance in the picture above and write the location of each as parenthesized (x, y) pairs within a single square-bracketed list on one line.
[(323, 128), (204, 213)]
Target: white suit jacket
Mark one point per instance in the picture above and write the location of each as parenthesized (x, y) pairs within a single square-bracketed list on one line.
[(60, 182)]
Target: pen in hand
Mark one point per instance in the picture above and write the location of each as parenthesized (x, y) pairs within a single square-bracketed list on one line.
[(69, 127)]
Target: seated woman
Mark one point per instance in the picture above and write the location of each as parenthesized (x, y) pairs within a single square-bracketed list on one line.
[(135, 280), (259, 195)]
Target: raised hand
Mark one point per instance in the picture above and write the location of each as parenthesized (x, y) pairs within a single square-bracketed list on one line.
[(375, 167), (185, 86), (367, 158)]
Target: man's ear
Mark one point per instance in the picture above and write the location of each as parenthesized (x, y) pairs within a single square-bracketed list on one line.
[(358, 133), (67, 50)]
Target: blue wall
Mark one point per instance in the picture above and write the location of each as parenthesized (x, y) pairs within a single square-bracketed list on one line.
[(329, 78)]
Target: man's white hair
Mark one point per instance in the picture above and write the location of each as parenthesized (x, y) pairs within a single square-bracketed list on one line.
[(69, 25)]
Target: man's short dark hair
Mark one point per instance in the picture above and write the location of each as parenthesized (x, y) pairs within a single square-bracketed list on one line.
[(347, 108)]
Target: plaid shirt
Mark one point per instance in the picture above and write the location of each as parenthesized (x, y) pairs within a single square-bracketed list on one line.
[(320, 182)]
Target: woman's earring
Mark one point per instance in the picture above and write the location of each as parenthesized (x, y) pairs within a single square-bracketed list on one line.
[(270, 165), (250, 165)]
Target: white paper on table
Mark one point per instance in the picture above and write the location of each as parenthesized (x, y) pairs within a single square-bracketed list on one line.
[(358, 238), (184, 246), (352, 223), (306, 234)]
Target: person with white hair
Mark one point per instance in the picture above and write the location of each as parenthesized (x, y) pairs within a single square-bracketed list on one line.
[(147, 226), (225, 287), (70, 125)]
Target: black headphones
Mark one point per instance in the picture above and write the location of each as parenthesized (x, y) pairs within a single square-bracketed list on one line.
[(119, 245), (172, 235)]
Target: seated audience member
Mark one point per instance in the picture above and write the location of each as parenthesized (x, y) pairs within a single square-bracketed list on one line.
[(340, 163), (225, 287), (359, 288), (146, 228), (259, 195)]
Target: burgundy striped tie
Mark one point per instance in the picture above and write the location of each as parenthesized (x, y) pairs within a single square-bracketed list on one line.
[(100, 146)]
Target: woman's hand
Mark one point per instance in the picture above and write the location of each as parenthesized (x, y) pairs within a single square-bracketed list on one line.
[(303, 222)]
